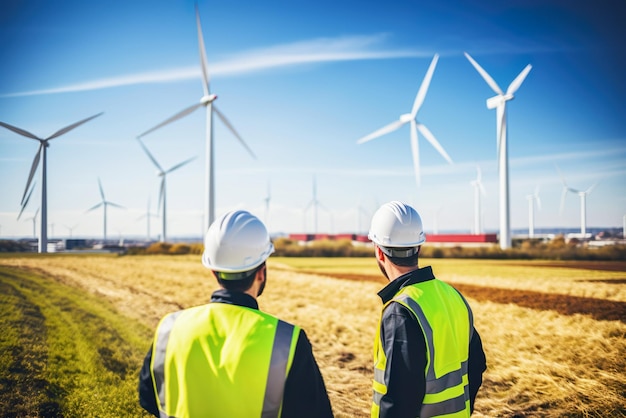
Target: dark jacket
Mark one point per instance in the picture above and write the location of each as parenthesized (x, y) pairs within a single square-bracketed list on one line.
[(403, 341), (305, 393)]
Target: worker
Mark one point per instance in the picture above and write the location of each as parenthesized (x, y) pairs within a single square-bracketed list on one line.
[(227, 358), (428, 357)]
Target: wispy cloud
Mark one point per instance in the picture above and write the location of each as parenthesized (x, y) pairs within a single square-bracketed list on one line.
[(322, 50)]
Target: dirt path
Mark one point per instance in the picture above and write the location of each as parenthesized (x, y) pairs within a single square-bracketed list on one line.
[(600, 309)]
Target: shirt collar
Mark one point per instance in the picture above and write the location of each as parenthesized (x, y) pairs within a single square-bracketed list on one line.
[(234, 298), (407, 279)]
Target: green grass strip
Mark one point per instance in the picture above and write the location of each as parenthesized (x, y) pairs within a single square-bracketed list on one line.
[(64, 352)]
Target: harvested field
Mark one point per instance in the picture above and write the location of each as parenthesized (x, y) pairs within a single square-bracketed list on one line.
[(545, 358)]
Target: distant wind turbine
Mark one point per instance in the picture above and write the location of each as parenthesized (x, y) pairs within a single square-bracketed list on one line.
[(70, 229), (207, 102), (314, 203), (41, 154), (479, 190), (34, 219), (532, 198), (415, 125), (499, 103), (583, 202), (148, 215), (104, 203), (162, 195)]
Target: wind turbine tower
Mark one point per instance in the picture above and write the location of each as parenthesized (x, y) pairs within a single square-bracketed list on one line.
[(415, 125), (531, 211), (205, 101), (41, 155), (498, 102), (478, 191)]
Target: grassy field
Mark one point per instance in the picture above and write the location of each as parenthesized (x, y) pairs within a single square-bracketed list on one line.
[(76, 328)]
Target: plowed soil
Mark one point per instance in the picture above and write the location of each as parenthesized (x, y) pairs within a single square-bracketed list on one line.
[(600, 309)]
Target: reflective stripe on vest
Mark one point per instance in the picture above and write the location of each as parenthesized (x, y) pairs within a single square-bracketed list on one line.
[(447, 388), (282, 345)]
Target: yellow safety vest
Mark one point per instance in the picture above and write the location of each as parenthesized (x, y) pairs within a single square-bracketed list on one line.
[(221, 360), (446, 321)]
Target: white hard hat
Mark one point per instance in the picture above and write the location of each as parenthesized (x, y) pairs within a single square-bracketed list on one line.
[(396, 224), (236, 242)]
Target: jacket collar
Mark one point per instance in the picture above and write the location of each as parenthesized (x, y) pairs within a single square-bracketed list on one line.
[(234, 298), (407, 279)]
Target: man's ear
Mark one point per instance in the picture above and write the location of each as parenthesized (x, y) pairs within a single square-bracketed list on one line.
[(380, 255)]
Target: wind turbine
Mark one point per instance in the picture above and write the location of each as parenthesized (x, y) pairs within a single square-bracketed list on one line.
[(104, 203), (206, 101), (71, 228), (41, 154), (314, 203), (583, 202), (415, 125), (34, 219), (479, 190), (498, 102), (531, 211), (162, 195), (148, 215)]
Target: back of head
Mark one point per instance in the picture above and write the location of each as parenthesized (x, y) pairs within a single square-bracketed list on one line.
[(235, 244), (396, 225)]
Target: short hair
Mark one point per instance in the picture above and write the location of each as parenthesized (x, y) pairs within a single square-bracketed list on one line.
[(241, 284), (397, 255)]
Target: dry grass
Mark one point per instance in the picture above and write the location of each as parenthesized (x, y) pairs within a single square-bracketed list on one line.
[(540, 363)]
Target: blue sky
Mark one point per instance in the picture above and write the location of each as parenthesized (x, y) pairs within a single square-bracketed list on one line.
[(302, 82)]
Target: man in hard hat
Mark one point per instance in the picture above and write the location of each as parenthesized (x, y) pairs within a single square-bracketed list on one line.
[(428, 357), (227, 358)]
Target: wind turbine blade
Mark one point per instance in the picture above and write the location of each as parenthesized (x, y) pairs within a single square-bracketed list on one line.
[(415, 152), (33, 168), (72, 126), (115, 205), (433, 141), (494, 86), (101, 190), (26, 201), (421, 94), (94, 207), (563, 194), (180, 165), (518, 80), (154, 161), (382, 131), (177, 116), (19, 131), (161, 194), (536, 194), (501, 128), (560, 175), (538, 202), (482, 189), (232, 129), (593, 186), (203, 60)]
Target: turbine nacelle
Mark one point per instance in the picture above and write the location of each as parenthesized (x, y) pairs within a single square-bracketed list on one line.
[(407, 117), (205, 100), (500, 99)]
